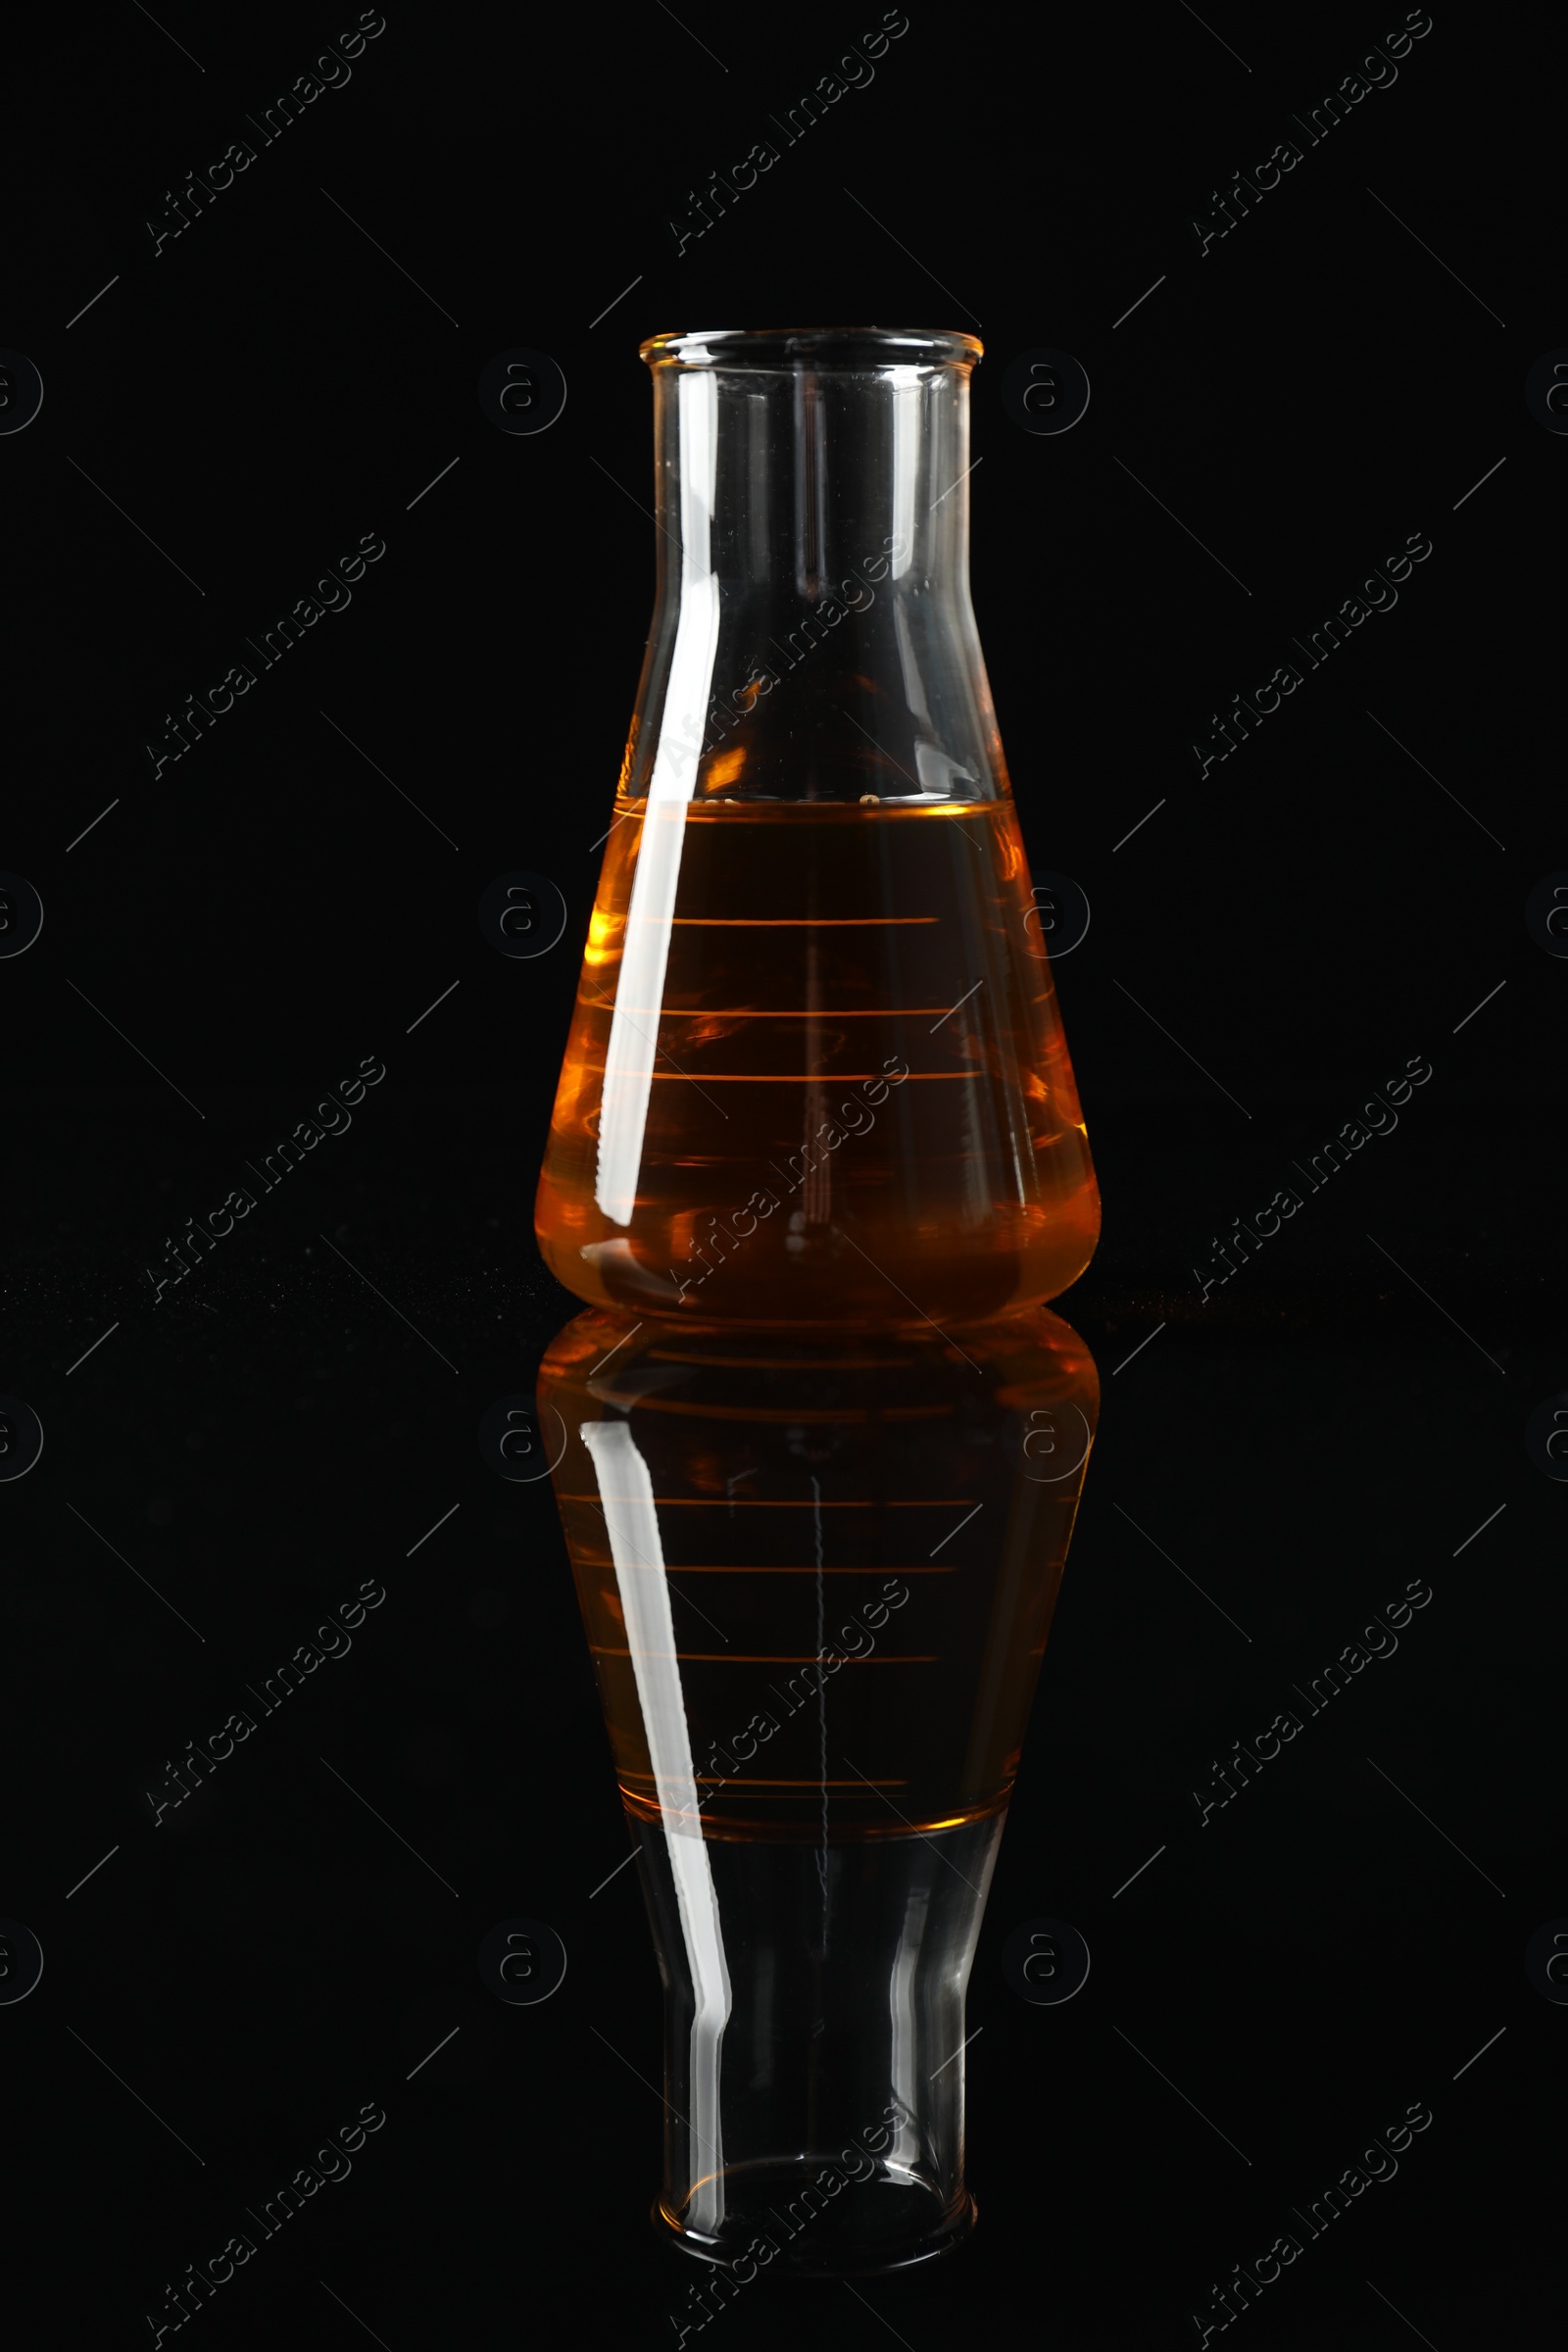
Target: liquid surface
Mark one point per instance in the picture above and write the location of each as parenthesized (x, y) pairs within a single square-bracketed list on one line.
[(817, 1580), (816, 1072)]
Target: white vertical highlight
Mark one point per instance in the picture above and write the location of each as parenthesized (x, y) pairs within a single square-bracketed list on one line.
[(905, 394), (907, 2040), (629, 1056), (632, 1519)]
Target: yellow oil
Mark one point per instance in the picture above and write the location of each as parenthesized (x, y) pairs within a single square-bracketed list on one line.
[(817, 1575), (816, 1072)]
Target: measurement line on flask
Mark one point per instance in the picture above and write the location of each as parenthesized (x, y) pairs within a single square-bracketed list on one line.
[(612, 1009), (659, 1568), (750, 1657), (786, 922), (807, 1568), (755, 1780), (802, 1012), (778, 1502)]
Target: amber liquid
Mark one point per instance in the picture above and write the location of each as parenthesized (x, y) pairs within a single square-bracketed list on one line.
[(840, 1091), (817, 1581)]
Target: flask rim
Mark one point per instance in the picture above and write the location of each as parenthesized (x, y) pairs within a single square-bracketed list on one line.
[(784, 349)]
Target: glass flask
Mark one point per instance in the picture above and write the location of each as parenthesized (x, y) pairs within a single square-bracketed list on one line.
[(817, 1572), (817, 1071)]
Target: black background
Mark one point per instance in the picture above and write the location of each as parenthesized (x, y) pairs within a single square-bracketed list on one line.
[(264, 914)]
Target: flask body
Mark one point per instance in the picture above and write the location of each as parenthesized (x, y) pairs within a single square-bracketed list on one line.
[(817, 1578), (816, 1070)]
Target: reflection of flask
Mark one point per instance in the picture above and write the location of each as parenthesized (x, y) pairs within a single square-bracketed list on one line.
[(817, 1071), (818, 1576)]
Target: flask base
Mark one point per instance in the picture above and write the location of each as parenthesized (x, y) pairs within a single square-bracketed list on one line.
[(887, 2221)]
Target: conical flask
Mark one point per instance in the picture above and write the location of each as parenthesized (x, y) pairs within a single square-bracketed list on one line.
[(816, 1572), (816, 1072)]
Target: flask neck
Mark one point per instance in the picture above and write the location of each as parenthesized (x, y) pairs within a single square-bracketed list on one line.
[(812, 633), (801, 480), (813, 2042)]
